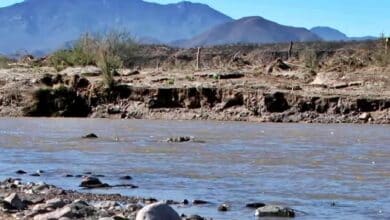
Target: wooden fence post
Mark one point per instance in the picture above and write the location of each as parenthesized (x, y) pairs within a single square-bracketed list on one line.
[(387, 43), (198, 58), (290, 49)]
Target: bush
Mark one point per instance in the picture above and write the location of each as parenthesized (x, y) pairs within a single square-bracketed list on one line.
[(119, 46), (310, 58), (4, 61), (382, 57), (109, 63)]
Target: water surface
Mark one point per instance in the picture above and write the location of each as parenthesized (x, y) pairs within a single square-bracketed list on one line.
[(303, 166)]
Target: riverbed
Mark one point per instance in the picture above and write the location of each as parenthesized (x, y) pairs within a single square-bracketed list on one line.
[(322, 171)]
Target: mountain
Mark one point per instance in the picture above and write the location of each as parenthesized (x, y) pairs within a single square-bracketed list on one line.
[(47, 24), (329, 34), (365, 38), (250, 30)]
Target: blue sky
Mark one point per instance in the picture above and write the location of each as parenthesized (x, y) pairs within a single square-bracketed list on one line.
[(353, 17)]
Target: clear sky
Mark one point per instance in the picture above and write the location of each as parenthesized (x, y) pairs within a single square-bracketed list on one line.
[(353, 17)]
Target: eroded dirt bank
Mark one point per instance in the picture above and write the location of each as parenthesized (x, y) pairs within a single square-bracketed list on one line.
[(265, 98), (337, 83)]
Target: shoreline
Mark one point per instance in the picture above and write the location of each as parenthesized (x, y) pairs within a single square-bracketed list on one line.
[(40, 201), (195, 120)]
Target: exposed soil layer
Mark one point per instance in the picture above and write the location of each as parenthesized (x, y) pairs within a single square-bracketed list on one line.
[(246, 83)]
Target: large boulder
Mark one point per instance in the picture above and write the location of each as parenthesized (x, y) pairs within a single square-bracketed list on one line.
[(275, 211), (157, 211)]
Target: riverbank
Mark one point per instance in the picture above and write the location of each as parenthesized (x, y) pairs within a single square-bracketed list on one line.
[(263, 98), (346, 85), (41, 201)]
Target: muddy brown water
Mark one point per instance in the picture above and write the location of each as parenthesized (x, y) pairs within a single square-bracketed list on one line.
[(323, 171)]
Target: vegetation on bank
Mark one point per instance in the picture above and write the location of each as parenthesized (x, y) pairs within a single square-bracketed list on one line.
[(4, 62), (109, 52), (115, 50)]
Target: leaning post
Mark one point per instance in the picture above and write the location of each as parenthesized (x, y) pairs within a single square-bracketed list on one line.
[(387, 44)]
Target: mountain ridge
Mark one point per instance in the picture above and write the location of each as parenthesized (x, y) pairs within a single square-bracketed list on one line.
[(252, 29), (40, 24)]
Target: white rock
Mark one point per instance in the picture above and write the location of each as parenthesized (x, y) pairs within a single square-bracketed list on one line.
[(57, 214), (157, 211), (365, 116), (274, 211)]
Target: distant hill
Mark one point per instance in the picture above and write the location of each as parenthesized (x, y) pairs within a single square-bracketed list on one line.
[(362, 38), (250, 30), (47, 24), (329, 34)]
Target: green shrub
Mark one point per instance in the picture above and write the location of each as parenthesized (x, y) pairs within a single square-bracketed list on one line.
[(78, 55), (120, 47)]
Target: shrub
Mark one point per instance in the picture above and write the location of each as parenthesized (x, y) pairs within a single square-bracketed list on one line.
[(65, 58), (88, 51), (310, 58), (382, 57), (109, 63), (4, 61)]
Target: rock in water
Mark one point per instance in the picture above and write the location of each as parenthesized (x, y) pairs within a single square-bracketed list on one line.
[(194, 217), (125, 178), (199, 202), (157, 211), (15, 202), (180, 139), (275, 211), (255, 205), (92, 182), (20, 172), (223, 208), (90, 136)]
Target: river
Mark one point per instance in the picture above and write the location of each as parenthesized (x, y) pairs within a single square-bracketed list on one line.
[(322, 171)]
